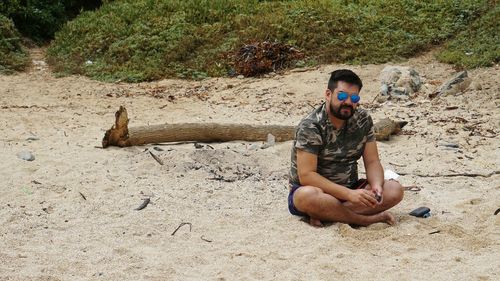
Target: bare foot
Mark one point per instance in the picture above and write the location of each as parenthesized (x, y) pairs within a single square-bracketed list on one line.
[(315, 222), (388, 218)]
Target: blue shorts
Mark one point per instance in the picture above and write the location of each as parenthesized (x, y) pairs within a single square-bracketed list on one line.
[(361, 183)]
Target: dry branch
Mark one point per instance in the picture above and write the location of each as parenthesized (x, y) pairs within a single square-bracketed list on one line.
[(472, 175), (121, 135)]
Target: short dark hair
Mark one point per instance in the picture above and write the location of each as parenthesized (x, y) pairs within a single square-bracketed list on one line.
[(345, 75)]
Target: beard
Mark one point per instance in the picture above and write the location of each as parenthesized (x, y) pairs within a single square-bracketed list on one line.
[(342, 112)]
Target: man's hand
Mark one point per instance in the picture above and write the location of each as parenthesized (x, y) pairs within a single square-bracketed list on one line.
[(377, 191), (363, 197)]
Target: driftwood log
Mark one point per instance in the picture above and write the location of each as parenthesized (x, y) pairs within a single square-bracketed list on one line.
[(121, 135)]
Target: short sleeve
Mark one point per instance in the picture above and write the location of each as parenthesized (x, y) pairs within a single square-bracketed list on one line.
[(308, 138), (370, 135)]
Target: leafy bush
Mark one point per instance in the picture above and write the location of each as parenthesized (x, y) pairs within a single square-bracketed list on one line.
[(40, 19), (478, 45), (12, 56), (137, 40)]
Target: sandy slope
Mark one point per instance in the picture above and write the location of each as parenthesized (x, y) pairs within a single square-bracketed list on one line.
[(241, 229)]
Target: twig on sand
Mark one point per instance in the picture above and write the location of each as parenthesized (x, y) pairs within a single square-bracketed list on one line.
[(434, 232), (182, 224), (144, 204), (156, 158), (205, 239), (472, 175), (83, 196), (412, 188)]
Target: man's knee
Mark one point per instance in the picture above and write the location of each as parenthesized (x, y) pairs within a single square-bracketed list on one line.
[(395, 190), (305, 197)]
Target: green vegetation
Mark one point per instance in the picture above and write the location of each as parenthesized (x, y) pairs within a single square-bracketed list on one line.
[(137, 40), (40, 19), (13, 57), (478, 45)]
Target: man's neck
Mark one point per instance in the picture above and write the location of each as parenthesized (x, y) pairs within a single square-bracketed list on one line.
[(337, 123)]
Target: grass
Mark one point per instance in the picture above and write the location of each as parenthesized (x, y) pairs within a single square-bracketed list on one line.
[(478, 45), (141, 40), (13, 57)]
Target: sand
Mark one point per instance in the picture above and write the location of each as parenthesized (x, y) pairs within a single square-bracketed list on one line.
[(69, 214)]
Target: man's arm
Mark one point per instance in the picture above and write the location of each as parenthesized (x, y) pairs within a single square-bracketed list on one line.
[(374, 170), (307, 164)]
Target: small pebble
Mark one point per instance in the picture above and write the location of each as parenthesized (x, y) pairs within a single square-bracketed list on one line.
[(254, 146), (26, 155), (476, 86)]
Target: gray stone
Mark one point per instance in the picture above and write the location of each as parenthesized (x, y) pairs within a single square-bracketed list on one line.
[(399, 80), (382, 99), (26, 155), (455, 85), (271, 140), (384, 90), (476, 86), (254, 146)]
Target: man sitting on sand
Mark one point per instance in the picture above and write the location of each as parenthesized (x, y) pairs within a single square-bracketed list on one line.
[(324, 184)]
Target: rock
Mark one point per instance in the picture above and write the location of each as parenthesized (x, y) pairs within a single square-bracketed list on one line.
[(382, 99), (240, 77), (271, 140), (399, 80), (386, 127), (26, 155), (399, 91), (476, 85), (457, 84), (254, 146), (384, 90)]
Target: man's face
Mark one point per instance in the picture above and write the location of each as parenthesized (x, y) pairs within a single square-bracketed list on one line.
[(342, 109)]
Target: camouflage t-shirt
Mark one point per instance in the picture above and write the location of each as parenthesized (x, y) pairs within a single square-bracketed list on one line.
[(338, 150)]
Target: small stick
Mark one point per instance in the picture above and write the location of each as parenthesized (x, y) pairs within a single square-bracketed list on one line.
[(434, 232), (452, 175), (206, 240), (497, 211), (412, 188), (156, 158), (144, 204), (180, 225), (83, 196), (397, 164), (375, 98)]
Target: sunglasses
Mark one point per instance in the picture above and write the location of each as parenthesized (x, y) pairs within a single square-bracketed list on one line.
[(342, 96)]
